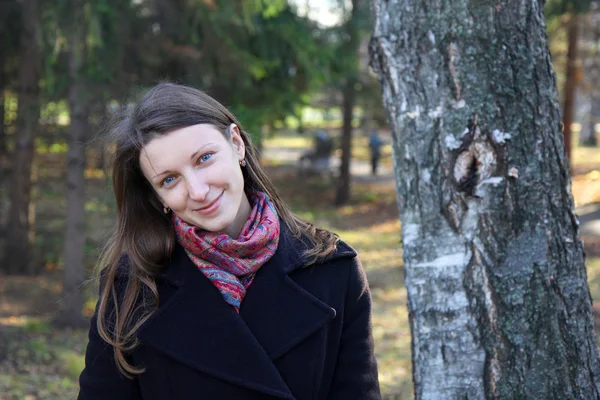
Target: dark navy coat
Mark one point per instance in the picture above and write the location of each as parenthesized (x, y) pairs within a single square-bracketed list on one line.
[(303, 333)]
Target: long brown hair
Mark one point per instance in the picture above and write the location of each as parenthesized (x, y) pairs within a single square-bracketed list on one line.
[(144, 233)]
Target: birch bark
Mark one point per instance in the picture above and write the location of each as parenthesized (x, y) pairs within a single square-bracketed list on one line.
[(499, 305)]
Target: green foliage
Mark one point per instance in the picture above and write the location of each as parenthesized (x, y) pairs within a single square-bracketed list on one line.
[(258, 57), (260, 60), (34, 326)]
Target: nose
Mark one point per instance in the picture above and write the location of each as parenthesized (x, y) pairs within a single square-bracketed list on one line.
[(197, 188)]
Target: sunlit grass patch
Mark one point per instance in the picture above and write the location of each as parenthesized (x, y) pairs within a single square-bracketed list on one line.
[(593, 275), (380, 252), (391, 226), (291, 142), (585, 155), (364, 239), (391, 334)]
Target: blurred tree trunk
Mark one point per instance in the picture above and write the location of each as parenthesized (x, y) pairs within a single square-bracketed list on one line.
[(3, 145), (570, 82), (79, 100), (3, 344), (3, 150), (95, 154), (7, 10), (591, 76), (499, 306), (592, 121), (18, 258), (344, 180), (342, 195)]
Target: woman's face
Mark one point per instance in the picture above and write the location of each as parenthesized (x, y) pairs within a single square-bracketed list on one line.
[(196, 173)]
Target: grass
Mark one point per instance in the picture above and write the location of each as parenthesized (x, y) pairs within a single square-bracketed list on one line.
[(593, 275), (381, 255), (41, 365), (584, 157), (289, 142)]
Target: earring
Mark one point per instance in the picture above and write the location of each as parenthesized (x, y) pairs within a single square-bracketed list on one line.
[(243, 163), (166, 210)]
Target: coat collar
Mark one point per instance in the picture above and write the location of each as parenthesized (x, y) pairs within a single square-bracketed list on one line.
[(198, 328)]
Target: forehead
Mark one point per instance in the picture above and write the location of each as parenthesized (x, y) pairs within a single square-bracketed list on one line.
[(179, 145), (190, 134)]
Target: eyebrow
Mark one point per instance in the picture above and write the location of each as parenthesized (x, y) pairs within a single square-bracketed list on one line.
[(191, 158)]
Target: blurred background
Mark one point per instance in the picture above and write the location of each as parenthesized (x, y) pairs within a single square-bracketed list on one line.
[(295, 72)]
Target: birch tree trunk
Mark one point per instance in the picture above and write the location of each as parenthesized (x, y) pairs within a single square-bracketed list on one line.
[(499, 305)]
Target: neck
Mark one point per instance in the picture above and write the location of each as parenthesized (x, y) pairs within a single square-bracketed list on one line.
[(234, 229)]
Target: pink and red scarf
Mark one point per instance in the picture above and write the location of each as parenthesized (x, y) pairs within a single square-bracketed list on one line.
[(231, 264)]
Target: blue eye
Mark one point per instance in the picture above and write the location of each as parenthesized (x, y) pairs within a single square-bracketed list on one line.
[(168, 180), (205, 157)]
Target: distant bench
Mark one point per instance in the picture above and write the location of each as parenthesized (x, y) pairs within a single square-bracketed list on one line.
[(311, 166)]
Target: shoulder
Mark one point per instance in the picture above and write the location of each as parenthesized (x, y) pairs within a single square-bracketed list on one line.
[(339, 281), (344, 251), (291, 252), (344, 261), (342, 266)]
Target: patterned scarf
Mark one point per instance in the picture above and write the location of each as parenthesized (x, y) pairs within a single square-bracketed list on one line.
[(231, 264)]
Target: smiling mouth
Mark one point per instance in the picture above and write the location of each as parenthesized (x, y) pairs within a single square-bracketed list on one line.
[(212, 203)]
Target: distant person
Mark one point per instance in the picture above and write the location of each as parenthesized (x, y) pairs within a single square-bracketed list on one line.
[(322, 147), (375, 144), (211, 288)]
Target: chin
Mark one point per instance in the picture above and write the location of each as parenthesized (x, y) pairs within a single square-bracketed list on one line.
[(216, 228), (218, 225)]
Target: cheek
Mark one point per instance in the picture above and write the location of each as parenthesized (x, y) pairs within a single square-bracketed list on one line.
[(175, 198), (239, 177)]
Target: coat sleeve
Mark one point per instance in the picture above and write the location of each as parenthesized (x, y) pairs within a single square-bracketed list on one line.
[(101, 379), (356, 374)]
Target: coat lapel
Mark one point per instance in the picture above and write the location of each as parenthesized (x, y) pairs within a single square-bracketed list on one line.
[(279, 312), (196, 327)]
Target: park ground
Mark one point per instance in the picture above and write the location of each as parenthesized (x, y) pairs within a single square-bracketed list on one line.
[(44, 362)]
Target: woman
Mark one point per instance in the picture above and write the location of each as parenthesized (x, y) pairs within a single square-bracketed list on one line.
[(211, 288)]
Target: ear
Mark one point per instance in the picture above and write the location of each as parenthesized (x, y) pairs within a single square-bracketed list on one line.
[(237, 141)]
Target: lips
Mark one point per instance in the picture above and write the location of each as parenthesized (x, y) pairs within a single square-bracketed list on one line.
[(212, 207)]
